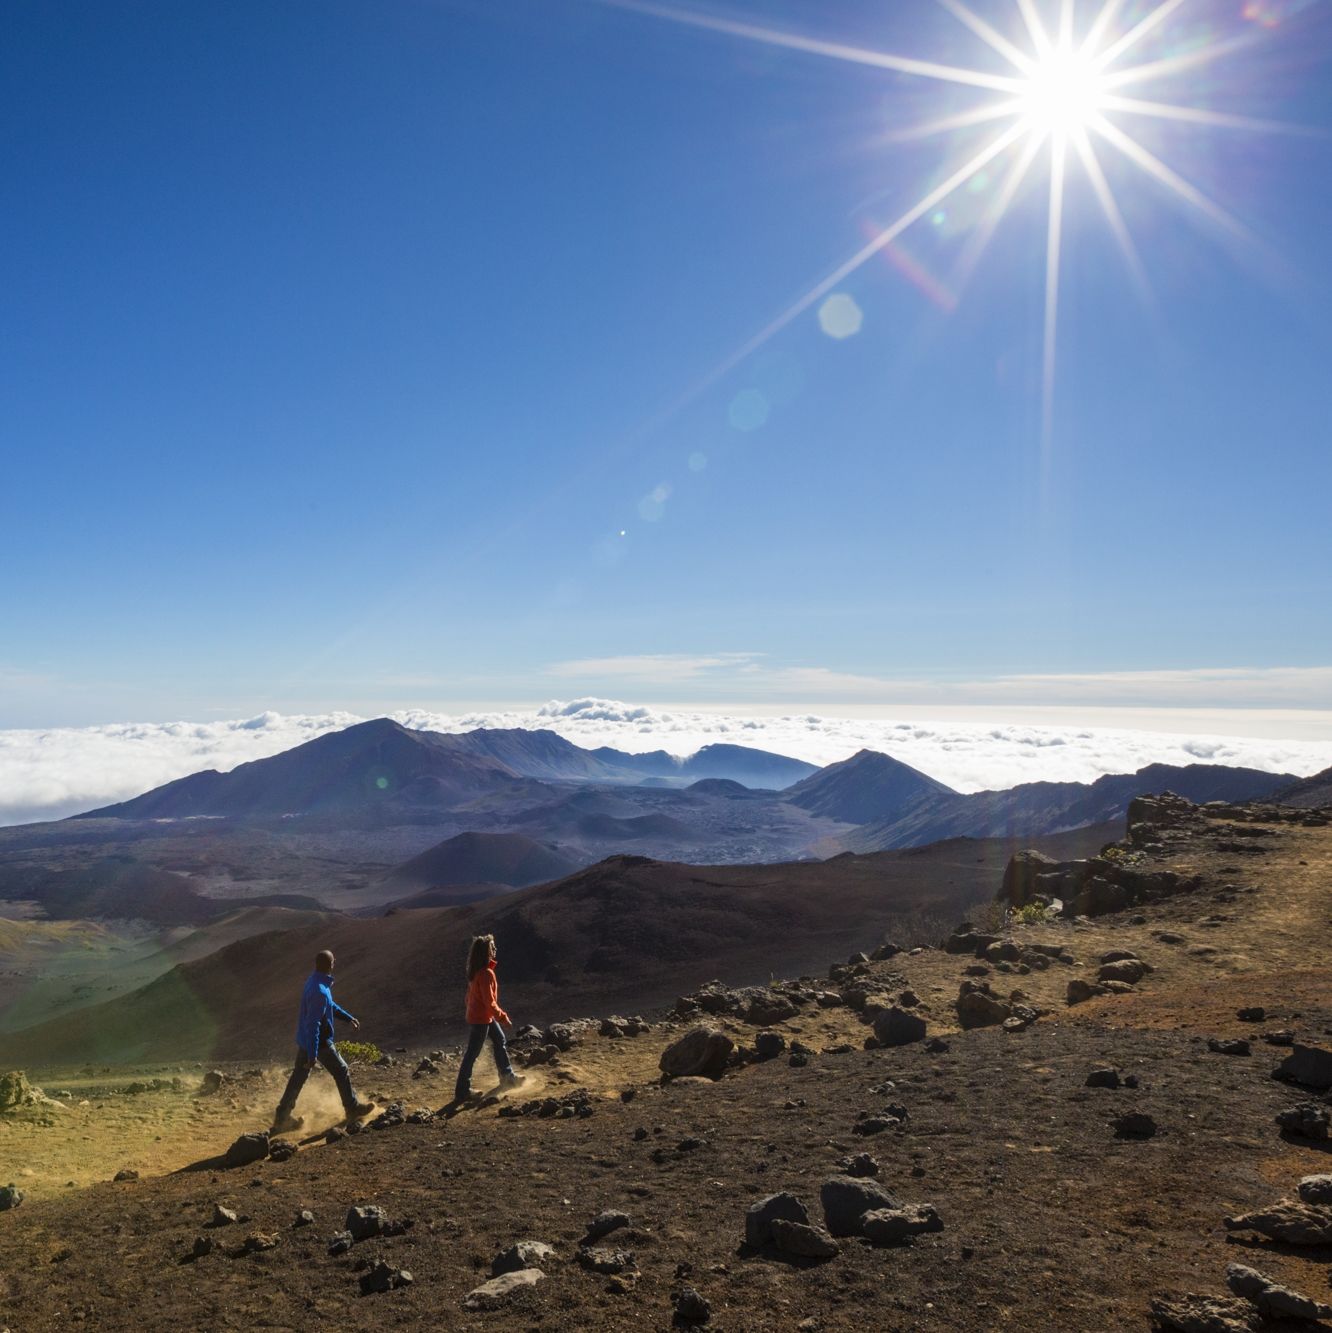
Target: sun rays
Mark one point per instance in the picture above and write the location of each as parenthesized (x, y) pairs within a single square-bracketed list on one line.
[(1069, 78)]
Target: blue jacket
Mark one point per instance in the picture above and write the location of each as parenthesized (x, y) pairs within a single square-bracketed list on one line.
[(317, 1010)]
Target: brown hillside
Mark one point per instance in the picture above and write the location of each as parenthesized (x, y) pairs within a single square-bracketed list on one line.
[(626, 933)]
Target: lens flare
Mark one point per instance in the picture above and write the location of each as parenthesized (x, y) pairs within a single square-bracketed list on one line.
[(1061, 97)]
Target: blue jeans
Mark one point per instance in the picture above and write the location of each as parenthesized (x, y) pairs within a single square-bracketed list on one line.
[(331, 1058), (480, 1031)]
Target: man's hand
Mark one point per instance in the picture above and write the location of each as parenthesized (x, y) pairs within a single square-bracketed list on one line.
[(356, 1024)]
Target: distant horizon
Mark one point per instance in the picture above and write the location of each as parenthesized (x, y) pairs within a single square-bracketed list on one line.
[(51, 773)]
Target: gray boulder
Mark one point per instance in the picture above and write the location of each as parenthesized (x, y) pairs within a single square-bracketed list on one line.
[(846, 1201), (1271, 1298), (896, 1026), (366, 1220), (1130, 970), (1203, 1314), (606, 1221), (1289, 1221), (978, 1006), (500, 1290), (247, 1149), (701, 1052), (894, 1226), (803, 1240), (761, 1215), (1316, 1190), (1307, 1065), (525, 1254), (10, 1197), (1307, 1120)]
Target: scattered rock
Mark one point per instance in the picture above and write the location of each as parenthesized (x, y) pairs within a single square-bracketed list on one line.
[(1202, 1314), (799, 1238), (223, 1217), (1254, 1014), (125, 1173), (936, 1046), (1080, 990), (1293, 1222), (1270, 1298), (257, 1241), (861, 1166), (1316, 1190), (282, 1150), (769, 1045), (606, 1221), (602, 1260), (1229, 1046), (212, 1083), (383, 1277), (846, 1200), (979, 1006), (701, 1052), (1306, 1120), (247, 1149), (10, 1197), (335, 1134), (761, 1215), (893, 1226), (202, 1247), (304, 1218), (1281, 1037), (1308, 1065), (525, 1254), (1103, 1078), (340, 1242), (1130, 970), (1135, 1125), (691, 1308), (366, 1220), (896, 1026)]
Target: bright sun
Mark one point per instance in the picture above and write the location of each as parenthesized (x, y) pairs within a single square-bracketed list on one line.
[(1064, 93)]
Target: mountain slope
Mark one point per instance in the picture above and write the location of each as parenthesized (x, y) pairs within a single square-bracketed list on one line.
[(1049, 807), (481, 858), (1310, 793), (627, 932), (866, 787), (373, 765)]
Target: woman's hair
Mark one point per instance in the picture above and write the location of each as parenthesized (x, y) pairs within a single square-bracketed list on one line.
[(478, 954)]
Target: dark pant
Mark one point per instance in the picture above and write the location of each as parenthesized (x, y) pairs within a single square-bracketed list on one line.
[(480, 1031), (332, 1060)]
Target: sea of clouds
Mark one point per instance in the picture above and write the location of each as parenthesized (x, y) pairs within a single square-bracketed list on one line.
[(47, 774)]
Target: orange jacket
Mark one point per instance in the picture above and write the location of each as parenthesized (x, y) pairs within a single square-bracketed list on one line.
[(483, 997)]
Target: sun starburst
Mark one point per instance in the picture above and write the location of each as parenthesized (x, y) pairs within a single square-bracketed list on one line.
[(1063, 95)]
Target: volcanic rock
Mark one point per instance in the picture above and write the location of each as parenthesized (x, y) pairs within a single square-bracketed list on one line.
[(799, 1238), (1308, 1065), (1316, 1190), (892, 1226), (1270, 1298), (1306, 1120), (1203, 1314), (366, 1220), (524, 1254), (384, 1277), (1289, 1221), (701, 1052), (691, 1308), (495, 1293), (606, 1221), (846, 1200), (895, 1026), (761, 1215), (248, 1148)]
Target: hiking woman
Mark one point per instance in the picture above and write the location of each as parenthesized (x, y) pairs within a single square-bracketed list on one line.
[(484, 1016)]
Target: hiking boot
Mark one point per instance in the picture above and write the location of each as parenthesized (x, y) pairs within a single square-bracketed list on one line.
[(286, 1123), (512, 1080), (360, 1109)]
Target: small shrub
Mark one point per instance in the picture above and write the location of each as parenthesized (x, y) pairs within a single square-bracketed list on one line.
[(360, 1052), (1030, 914)]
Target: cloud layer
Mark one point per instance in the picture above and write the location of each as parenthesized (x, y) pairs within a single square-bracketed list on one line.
[(62, 771)]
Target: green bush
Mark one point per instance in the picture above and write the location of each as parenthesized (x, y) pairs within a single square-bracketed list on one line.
[(360, 1052), (1030, 914)]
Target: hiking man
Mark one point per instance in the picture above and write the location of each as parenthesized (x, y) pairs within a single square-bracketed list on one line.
[(314, 1041)]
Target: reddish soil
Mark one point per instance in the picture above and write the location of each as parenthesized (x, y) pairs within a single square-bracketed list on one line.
[(1050, 1221)]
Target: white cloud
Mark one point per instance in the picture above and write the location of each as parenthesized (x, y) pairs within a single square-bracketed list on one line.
[(52, 773)]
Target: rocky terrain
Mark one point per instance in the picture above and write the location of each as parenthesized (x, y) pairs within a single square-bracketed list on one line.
[(1063, 1116)]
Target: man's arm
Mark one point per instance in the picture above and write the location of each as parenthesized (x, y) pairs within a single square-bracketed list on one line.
[(342, 1013)]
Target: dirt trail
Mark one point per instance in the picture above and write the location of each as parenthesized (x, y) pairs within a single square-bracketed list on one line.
[(1050, 1221)]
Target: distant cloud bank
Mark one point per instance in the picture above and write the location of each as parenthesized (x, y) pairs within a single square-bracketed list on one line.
[(48, 774)]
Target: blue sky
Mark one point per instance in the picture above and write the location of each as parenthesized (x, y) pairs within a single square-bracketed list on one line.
[(343, 342)]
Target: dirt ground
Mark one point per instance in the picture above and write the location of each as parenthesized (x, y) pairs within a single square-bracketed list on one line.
[(1050, 1221)]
